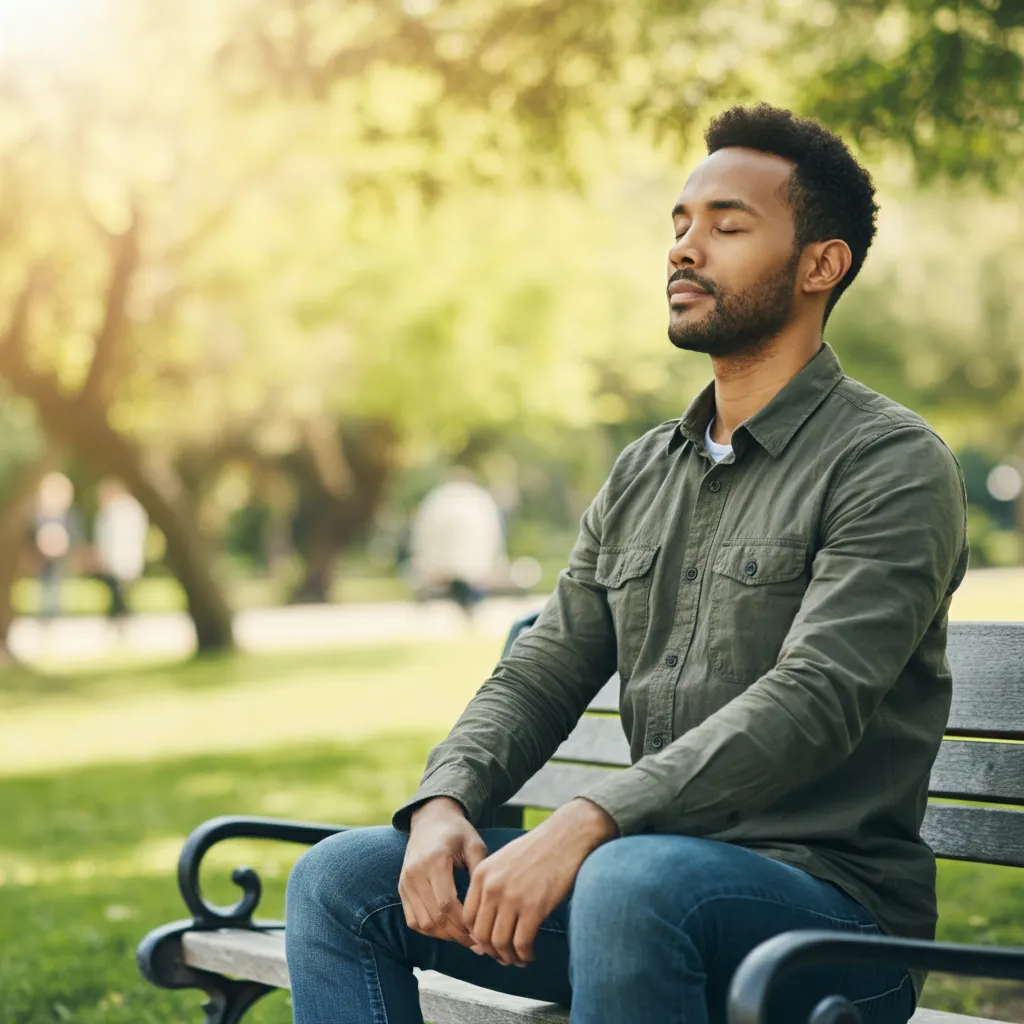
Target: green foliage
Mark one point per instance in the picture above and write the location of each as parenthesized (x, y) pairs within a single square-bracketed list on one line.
[(943, 82)]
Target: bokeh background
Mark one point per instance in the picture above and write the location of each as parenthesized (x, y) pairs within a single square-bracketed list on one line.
[(282, 267)]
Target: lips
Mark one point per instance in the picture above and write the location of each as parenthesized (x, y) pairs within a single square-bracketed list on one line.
[(686, 288), (680, 292)]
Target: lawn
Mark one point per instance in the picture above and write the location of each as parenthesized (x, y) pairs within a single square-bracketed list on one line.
[(103, 773)]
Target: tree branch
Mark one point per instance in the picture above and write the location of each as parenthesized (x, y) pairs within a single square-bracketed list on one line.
[(123, 265)]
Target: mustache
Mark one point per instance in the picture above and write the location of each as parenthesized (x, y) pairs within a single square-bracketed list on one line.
[(686, 274)]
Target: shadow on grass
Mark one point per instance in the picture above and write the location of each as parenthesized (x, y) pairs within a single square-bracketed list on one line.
[(107, 810), (89, 859)]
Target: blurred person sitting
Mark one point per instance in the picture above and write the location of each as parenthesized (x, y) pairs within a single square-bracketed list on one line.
[(119, 540), (54, 531), (457, 543)]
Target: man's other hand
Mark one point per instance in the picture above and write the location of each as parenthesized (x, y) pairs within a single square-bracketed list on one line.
[(517, 887), (440, 840)]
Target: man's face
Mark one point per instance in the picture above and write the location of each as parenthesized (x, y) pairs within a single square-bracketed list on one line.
[(732, 269)]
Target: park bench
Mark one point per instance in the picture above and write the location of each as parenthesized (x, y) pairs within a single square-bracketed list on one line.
[(236, 959)]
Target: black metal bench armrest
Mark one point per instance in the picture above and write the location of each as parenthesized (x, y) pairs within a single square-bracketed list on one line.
[(216, 830), (763, 967)]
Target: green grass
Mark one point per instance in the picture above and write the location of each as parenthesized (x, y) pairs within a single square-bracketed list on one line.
[(103, 773)]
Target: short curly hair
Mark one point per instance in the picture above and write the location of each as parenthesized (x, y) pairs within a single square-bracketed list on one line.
[(832, 196)]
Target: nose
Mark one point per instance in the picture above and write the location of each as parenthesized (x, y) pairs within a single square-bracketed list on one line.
[(685, 252)]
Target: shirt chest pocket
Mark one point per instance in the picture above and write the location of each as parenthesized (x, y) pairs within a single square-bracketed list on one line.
[(627, 574), (756, 587)]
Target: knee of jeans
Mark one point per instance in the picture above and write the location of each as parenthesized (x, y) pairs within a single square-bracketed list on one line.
[(344, 874), (612, 888)]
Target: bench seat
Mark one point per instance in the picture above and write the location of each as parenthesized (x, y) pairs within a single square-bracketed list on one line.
[(259, 956)]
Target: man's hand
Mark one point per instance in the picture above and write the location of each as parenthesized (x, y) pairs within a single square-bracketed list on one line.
[(514, 889), (440, 840)]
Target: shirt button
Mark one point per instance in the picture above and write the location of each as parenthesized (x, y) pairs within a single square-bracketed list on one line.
[(691, 573), (671, 661), (715, 486), (750, 568), (657, 743)]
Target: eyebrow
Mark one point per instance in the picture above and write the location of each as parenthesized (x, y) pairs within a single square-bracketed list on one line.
[(717, 204)]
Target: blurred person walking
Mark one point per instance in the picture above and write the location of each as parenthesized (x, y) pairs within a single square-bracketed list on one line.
[(119, 540), (54, 531), (457, 542)]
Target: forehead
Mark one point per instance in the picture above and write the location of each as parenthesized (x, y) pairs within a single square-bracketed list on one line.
[(757, 178)]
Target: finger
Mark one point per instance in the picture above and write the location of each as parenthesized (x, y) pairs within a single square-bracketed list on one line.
[(474, 854), (527, 926), (503, 932), (416, 916), (471, 906), (481, 930), (446, 898)]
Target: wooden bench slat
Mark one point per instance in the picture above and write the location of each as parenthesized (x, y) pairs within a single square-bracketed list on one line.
[(985, 835), (596, 740), (991, 771), (987, 661), (555, 784), (237, 953), (259, 956)]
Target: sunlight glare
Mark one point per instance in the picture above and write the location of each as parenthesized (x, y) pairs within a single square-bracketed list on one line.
[(46, 30)]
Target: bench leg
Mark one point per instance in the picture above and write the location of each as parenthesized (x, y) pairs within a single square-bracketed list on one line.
[(160, 961), (230, 1002)]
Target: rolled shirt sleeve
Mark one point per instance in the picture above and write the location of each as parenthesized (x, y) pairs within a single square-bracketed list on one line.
[(893, 548)]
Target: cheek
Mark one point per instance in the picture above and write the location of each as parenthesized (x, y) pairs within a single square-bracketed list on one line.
[(741, 263)]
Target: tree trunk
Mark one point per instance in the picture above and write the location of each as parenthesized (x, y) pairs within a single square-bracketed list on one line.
[(159, 489), (331, 515), (14, 520), (162, 494)]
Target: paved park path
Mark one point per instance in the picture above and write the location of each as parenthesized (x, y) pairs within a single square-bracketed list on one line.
[(303, 627)]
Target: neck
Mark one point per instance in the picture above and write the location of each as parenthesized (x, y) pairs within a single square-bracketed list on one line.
[(747, 381)]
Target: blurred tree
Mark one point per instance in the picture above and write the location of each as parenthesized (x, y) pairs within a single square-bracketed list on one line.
[(291, 224), (944, 82)]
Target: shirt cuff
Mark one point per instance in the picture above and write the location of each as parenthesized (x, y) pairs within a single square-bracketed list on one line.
[(452, 781), (631, 798)]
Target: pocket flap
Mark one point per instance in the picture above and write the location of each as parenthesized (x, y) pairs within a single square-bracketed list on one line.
[(754, 562), (616, 565)]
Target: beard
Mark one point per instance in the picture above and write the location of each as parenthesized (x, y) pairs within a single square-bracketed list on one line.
[(740, 322)]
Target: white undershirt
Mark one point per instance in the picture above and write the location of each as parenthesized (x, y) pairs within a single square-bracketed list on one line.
[(716, 451)]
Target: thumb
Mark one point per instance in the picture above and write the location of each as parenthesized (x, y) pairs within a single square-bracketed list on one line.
[(474, 854)]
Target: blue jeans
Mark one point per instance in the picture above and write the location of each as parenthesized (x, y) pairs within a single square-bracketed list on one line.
[(654, 929)]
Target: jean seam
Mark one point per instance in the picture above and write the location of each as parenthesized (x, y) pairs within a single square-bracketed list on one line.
[(376, 910), (868, 1000), (776, 903), (380, 1011)]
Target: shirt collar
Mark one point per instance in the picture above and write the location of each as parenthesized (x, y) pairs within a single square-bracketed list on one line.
[(773, 426)]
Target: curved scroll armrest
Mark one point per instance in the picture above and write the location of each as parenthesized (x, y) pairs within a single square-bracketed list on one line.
[(519, 626), (216, 830), (764, 965)]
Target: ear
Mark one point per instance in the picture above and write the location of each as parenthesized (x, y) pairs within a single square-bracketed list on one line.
[(830, 262)]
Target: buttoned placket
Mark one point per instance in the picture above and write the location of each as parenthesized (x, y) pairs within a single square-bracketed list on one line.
[(707, 513)]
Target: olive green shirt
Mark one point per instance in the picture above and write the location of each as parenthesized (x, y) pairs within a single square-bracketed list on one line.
[(778, 621)]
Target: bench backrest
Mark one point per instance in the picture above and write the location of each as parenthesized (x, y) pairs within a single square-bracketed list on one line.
[(980, 761)]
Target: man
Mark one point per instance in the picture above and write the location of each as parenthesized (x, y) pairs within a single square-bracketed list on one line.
[(771, 576), (457, 541), (119, 539)]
